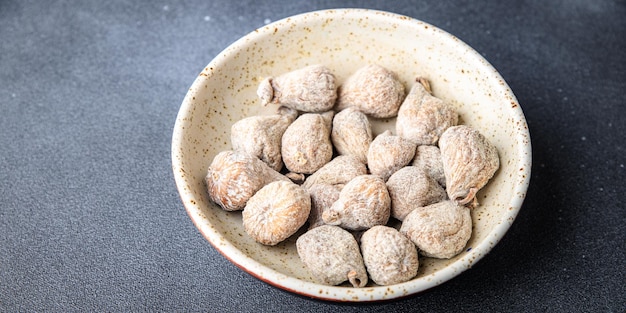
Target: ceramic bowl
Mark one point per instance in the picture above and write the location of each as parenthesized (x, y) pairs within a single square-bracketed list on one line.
[(345, 40)]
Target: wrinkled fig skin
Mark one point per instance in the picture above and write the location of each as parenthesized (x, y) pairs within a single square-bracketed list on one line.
[(297, 178), (332, 256), (410, 188), (306, 144), (373, 90), (322, 198), (429, 158), (440, 230), (389, 257), (261, 136), (389, 153), (309, 89), (363, 202), (339, 171), (352, 133), (469, 161), (233, 177), (422, 117), (276, 212)]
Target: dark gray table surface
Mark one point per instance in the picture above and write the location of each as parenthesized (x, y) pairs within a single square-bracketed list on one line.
[(90, 219)]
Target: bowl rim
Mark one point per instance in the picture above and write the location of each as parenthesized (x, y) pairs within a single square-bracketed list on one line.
[(340, 293)]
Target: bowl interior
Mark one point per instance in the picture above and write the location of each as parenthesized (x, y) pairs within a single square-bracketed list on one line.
[(345, 40)]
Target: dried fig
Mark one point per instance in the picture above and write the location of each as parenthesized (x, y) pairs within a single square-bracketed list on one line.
[(276, 212), (309, 89), (469, 161), (352, 133), (374, 90), (233, 177), (339, 171), (409, 188), (332, 256), (440, 230), (389, 257), (306, 143), (389, 153), (322, 198), (363, 202), (429, 158), (422, 117), (261, 136)]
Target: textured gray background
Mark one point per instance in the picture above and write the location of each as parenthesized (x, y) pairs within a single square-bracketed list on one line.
[(90, 219)]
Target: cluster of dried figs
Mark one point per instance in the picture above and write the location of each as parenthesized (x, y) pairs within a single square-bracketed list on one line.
[(316, 162)]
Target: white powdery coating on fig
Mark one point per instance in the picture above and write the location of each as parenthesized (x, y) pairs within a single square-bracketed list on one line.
[(389, 257), (469, 162), (389, 153), (422, 118), (276, 212), (409, 188), (352, 133), (332, 256), (261, 136), (322, 198), (363, 202), (233, 177), (440, 230), (373, 90), (306, 144), (339, 171), (429, 158), (309, 89)]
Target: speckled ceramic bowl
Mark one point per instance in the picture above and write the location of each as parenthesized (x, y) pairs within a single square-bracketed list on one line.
[(344, 40)]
